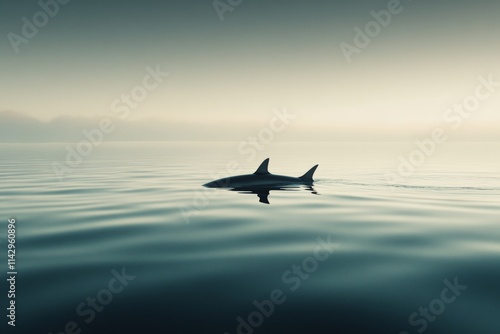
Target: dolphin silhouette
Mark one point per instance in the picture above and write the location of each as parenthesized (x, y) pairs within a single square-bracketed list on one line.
[(261, 179)]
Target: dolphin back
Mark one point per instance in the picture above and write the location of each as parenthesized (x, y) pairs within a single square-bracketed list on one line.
[(308, 177)]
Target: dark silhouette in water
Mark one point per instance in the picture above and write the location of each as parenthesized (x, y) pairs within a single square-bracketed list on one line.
[(263, 192), (262, 182)]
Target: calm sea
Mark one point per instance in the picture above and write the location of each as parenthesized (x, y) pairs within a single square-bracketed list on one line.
[(128, 241)]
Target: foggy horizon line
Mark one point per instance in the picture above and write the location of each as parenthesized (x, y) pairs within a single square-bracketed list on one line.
[(18, 127), (189, 120)]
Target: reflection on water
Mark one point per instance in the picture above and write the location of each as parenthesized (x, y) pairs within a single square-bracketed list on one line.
[(264, 192), (123, 207)]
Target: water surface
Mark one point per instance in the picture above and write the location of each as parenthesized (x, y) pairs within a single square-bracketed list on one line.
[(201, 257)]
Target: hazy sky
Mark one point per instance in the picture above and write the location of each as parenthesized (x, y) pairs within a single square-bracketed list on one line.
[(263, 55)]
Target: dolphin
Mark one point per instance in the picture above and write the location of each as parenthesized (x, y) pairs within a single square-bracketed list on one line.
[(262, 179)]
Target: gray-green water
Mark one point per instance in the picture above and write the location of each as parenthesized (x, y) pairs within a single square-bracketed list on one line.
[(201, 257)]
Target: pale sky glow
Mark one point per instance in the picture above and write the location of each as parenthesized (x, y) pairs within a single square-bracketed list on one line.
[(236, 71)]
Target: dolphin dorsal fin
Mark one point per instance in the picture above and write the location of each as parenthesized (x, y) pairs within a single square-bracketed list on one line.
[(309, 175), (262, 170)]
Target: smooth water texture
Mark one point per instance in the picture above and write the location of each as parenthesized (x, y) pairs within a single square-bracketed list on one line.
[(201, 257)]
